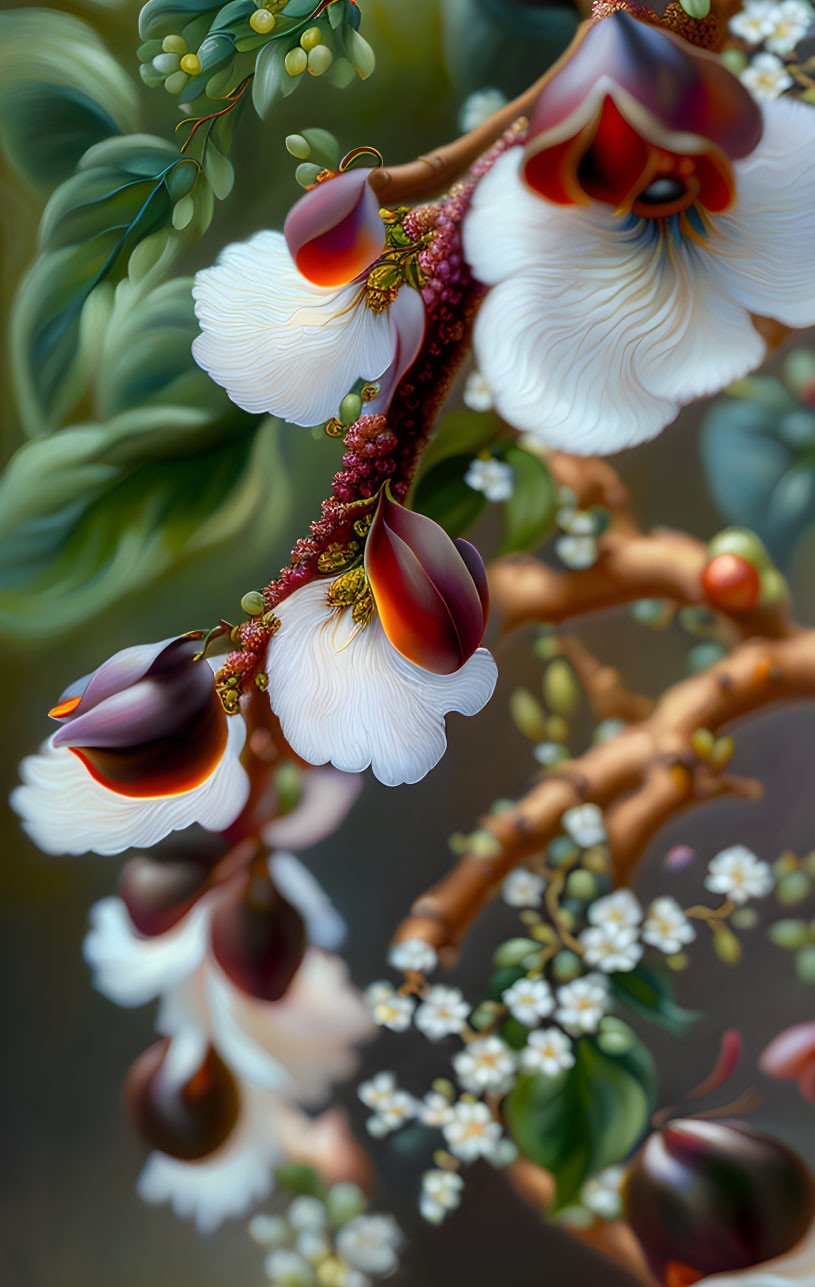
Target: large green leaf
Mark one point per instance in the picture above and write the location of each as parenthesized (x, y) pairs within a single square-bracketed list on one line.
[(650, 994), (60, 92), (442, 494), (530, 510), (585, 1119)]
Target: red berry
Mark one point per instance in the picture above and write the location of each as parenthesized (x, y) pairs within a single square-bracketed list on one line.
[(731, 584)]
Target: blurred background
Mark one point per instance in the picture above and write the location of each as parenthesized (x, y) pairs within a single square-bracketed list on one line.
[(69, 1215)]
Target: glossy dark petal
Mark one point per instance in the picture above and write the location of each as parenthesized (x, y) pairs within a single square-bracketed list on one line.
[(158, 893), (407, 312), (334, 232), (189, 1118), (258, 938)]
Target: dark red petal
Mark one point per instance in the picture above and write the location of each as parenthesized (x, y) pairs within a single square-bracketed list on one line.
[(258, 938), (159, 893), (334, 232), (476, 569), (188, 1118)]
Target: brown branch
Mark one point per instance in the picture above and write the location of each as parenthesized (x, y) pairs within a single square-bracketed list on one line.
[(603, 685)]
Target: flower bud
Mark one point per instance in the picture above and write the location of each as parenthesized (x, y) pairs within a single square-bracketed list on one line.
[(334, 232), (258, 938), (711, 1196), (148, 722), (184, 1112), (431, 593)]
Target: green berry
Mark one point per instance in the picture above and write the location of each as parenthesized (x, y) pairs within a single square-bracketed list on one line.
[(793, 888), (561, 690), (166, 63), (174, 45), (582, 885), (296, 62), (262, 21), (175, 83), (320, 59), (805, 964), (253, 603), (528, 715), (350, 408), (344, 1201), (298, 147), (514, 952), (614, 1037), (791, 934), (743, 543), (311, 38), (562, 850), (566, 966)]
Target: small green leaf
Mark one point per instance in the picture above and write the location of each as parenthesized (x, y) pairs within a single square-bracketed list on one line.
[(442, 494), (650, 994), (696, 8), (270, 74), (461, 433), (530, 510)]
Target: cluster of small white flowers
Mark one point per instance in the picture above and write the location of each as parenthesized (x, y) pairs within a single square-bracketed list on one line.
[(582, 1003), (359, 1247), (477, 394), (766, 77), (486, 1066), (577, 548), (413, 954), (666, 927), (390, 1009), (779, 27), (739, 875), (442, 1013), (495, 478), (611, 941), (391, 1106), (584, 824), (602, 1193), (522, 888), (441, 1193)]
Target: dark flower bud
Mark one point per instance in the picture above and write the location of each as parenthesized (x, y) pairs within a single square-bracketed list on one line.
[(187, 1114), (258, 938)]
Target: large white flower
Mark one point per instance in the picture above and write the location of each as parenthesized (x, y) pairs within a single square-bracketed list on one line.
[(277, 343), (598, 327), (344, 694)]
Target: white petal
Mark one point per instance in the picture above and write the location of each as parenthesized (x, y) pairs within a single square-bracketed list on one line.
[(132, 970), (346, 695), (599, 328), (326, 797), (796, 1267), (228, 1182), (764, 247), (324, 925), (65, 811), (276, 342)]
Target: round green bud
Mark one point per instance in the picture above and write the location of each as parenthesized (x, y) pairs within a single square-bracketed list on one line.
[(306, 175), (735, 60), (647, 611), (262, 21), (785, 864), (744, 918), (482, 1017), (743, 543), (527, 715), (253, 603), (793, 888), (296, 62), (174, 45), (297, 146), (597, 859), (557, 728), (320, 59), (568, 919), (191, 64), (774, 588), (561, 690), (614, 1037), (581, 884), (566, 966), (350, 408), (790, 934), (514, 951), (166, 63), (311, 38), (174, 85), (805, 964), (679, 961), (562, 850), (344, 1201)]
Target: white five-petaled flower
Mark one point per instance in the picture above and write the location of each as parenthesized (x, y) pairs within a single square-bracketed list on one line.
[(601, 1194), (548, 1051), (788, 23), (577, 552), (739, 875), (584, 823), (435, 1109), (485, 1065), (611, 948), (620, 910), (413, 954), (441, 1192), (472, 1132), (522, 888), (666, 926), (529, 1001), (582, 1003), (288, 1268), (495, 478), (443, 1012), (389, 1008), (766, 77), (477, 395), (391, 1106), (753, 22), (370, 1243), (343, 693)]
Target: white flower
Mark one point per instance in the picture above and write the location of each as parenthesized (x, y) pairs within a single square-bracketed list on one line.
[(326, 796), (577, 552), (766, 77), (597, 326), (477, 395), (441, 1192), (611, 949), (472, 1132), (578, 522), (522, 888), (495, 478), (478, 106), (307, 1213), (601, 1194), (435, 1109), (529, 1001), (279, 344), (389, 1008), (796, 1268), (739, 875), (376, 1092), (754, 22), (584, 823), (268, 1230), (66, 811), (548, 1051), (370, 1243), (413, 954), (788, 23), (343, 693), (548, 753), (392, 1106), (666, 926), (485, 1065), (582, 1003), (443, 1013), (620, 909), (289, 1269)]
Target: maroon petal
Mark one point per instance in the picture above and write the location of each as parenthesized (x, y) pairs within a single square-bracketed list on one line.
[(187, 1117), (258, 938), (159, 893), (334, 232)]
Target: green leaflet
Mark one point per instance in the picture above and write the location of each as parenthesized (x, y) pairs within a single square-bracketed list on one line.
[(530, 510), (585, 1119), (650, 994)]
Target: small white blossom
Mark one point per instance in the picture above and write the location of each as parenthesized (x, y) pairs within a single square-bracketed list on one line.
[(753, 24), (577, 552), (443, 1013), (737, 873), (582, 1003), (477, 394), (522, 888), (788, 23), (495, 478), (289, 1269), (472, 1132), (307, 1213), (547, 753), (667, 927), (370, 1243), (389, 1008), (766, 77), (601, 1194), (620, 910), (577, 522), (441, 1192), (548, 1051), (478, 106), (610, 948), (268, 1230), (398, 1109), (486, 1064), (314, 1244), (529, 1001), (378, 1090), (585, 825), (413, 954), (435, 1109)]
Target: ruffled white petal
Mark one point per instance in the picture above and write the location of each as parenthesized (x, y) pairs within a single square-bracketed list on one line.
[(132, 969), (764, 253), (797, 1268), (326, 797), (345, 695), (228, 1182), (324, 926), (279, 344), (596, 329), (65, 811)]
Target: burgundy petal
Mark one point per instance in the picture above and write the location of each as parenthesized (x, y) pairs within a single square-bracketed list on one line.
[(187, 1117), (334, 232), (257, 937), (159, 893)]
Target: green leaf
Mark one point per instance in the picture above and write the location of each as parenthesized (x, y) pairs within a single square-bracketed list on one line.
[(442, 494), (167, 17), (530, 510), (461, 433), (650, 995), (269, 76), (583, 1120), (60, 92), (696, 8)]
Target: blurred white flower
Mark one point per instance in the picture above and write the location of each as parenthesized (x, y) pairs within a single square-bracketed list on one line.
[(391, 1106), (413, 954), (788, 23), (441, 1192), (485, 1065), (529, 1001), (667, 927), (739, 875), (582, 1003), (443, 1013), (577, 552), (620, 910), (611, 948), (753, 23), (435, 1109), (289, 1269), (307, 1213), (370, 1243), (268, 1230), (473, 1131), (584, 823), (495, 478), (548, 1051), (478, 106), (766, 77), (477, 395), (522, 888), (601, 1194), (389, 1008)]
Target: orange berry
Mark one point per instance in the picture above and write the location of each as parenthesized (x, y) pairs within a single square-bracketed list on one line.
[(731, 584)]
